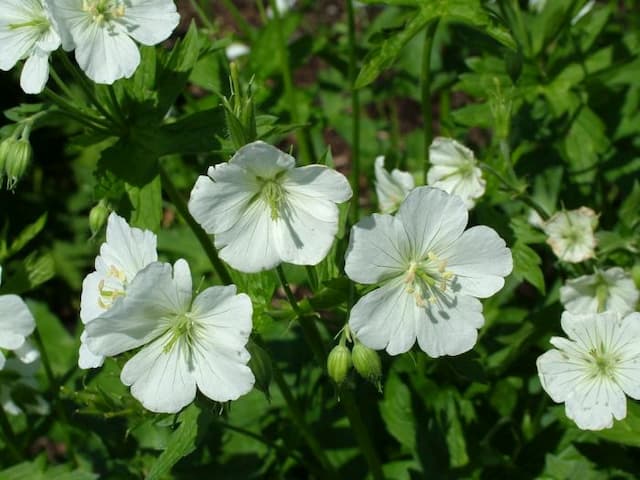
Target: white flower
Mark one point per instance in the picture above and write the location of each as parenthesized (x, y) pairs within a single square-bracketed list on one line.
[(571, 234), (391, 188), (26, 31), (611, 289), (263, 211), (126, 251), (583, 11), (283, 7), (537, 5), (593, 369), (103, 32), (236, 50), (454, 169), (16, 324), (187, 344), (431, 273)]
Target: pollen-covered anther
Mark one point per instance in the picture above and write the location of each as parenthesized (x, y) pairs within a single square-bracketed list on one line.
[(107, 295)]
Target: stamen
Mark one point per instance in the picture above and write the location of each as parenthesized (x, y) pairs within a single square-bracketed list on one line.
[(428, 280)]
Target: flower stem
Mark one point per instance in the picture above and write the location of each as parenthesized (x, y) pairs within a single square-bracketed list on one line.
[(425, 88), (77, 114), (202, 15), (355, 115), (313, 338), (301, 423), (304, 139), (201, 235), (241, 22), (10, 439)]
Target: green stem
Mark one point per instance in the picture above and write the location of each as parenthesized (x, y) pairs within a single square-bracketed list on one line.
[(425, 89), (197, 230), (59, 82), (304, 139), (10, 439), (314, 340), (238, 17), (202, 15), (44, 356), (301, 423), (355, 112), (77, 114)]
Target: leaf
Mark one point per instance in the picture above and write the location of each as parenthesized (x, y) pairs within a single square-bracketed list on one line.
[(624, 431), (25, 236), (183, 441), (194, 133), (61, 347), (526, 265), (629, 212), (397, 412), (147, 205)]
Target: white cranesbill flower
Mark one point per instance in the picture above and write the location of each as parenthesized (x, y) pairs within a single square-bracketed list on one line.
[(26, 31), (16, 324), (611, 289), (455, 170), (571, 234), (263, 211), (594, 368), (103, 32), (126, 251), (391, 187), (187, 344), (430, 273)]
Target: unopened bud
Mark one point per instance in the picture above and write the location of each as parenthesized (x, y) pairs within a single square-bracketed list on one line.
[(5, 145), (98, 216), (260, 365), (18, 157), (367, 363), (339, 363)]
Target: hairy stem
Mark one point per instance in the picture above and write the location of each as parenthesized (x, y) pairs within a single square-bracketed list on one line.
[(425, 89)]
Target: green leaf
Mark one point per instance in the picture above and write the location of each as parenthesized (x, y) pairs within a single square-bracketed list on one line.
[(62, 348), (193, 421), (198, 132), (30, 272), (146, 202), (526, 265), (629, 212), (25, 236), (624, 431), (397, 412)]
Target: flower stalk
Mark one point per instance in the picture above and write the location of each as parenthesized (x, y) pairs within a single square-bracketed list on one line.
[(425, 89)]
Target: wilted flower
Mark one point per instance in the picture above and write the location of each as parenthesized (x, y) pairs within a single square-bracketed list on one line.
[(103, 32), (188, 343), (126, 251), (594, 368), (454, 169), (26, 31), (611, 289), (391, 188), (431, 273), (16, 324), (571, 234), (263, 211)]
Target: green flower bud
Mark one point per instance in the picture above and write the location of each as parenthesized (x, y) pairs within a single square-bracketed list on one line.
[(339, 363), (5, 146), (260, 365), (98, 216), (367, 363), (19, 154)]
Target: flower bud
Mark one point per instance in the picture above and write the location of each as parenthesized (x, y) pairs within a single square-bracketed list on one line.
[(18, 157), (260, 365), (367, 363), (339, 363), (98, 216), (5, 145)]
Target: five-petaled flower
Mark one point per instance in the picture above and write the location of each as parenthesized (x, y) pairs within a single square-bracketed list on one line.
[(26, 31), (103, 32), (263, 211), (431, 273), (571, 234), (455, 170), (594, 368), (391, 187), (126, 251), (188, 344)]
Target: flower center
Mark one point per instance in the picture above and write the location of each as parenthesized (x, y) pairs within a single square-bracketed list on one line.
[(40, 23), (273, 195), (108, 293), (427, 280), (603, 362), (185, 328), (104, 10)]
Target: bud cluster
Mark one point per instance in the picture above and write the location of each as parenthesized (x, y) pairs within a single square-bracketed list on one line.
[(365, 361)]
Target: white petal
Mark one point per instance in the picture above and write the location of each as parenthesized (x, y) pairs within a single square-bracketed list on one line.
[(250, 246), (90, 306), (386, 318), (139, 317), (450, 326), (16, 322), (87, 359), (559, 374), (218, 201), (378, 249), (263, 160), (3, 360), (595, 403), (35, 72), (104, 54), (479, 259), (391, 189), (447, 151), (628, 350), (27, 353), (316, 182), (161, 380), (151, 21), (433, 219)]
